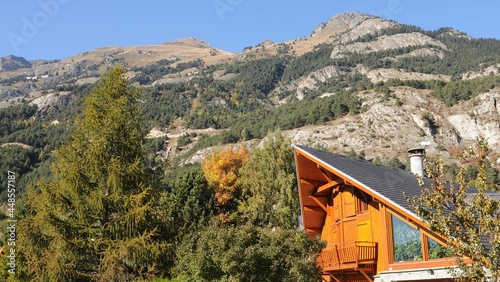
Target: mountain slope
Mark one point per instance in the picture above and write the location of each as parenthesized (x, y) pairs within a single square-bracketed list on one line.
[(357, 83)]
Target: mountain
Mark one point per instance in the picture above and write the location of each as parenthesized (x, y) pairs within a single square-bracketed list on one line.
[(357, 84), (11, 63)]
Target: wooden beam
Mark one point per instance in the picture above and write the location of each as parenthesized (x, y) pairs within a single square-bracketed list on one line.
[(321, 196), (349, 183), (312, 182), (335, 278), (313, 209), (325, 174), (366, 276), (318, 202), (327, 186), (314, 230)]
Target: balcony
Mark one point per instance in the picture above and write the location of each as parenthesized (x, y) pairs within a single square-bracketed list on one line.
[(353, 256)]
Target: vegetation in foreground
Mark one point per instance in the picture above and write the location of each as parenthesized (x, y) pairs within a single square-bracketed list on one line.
[(466, 215), (105, 216)]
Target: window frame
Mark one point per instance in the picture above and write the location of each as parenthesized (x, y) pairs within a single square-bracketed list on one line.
[(424, 242)]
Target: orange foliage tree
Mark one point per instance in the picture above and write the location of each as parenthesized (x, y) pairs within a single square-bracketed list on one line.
[(221, 172)]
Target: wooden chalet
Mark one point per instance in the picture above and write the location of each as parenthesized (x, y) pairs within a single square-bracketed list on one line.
[(360, 210)]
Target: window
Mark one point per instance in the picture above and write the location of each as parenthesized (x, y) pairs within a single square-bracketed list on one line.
[(437, 251), (406, 239), (361, 202)]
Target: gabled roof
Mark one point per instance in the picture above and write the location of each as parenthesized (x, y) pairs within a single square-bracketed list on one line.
[(387, 185), (384, 183)]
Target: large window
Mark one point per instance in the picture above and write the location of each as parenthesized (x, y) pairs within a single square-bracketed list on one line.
[(406, 239), (436, 250)]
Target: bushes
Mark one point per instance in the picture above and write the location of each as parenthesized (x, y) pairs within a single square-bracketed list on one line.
[(248, 253)]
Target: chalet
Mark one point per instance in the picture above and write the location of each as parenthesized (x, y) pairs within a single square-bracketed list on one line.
[(359, 209)]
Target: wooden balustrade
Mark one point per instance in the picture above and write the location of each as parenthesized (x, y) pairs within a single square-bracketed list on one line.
[(352, 255)]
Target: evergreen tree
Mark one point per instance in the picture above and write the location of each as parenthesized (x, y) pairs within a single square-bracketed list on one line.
[(190, 200), (96, 219)]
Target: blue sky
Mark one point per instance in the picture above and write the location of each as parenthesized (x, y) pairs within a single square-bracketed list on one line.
[(55, 29)]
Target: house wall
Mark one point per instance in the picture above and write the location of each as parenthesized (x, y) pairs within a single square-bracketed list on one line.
[(345, 223), (333, 213)]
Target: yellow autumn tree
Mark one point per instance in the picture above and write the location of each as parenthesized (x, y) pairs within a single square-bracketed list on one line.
[(221, 170)]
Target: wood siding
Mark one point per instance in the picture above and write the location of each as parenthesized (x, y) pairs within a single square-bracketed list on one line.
[(347, 212)]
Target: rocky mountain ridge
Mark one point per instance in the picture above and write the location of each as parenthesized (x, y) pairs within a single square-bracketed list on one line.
[(348, 47)]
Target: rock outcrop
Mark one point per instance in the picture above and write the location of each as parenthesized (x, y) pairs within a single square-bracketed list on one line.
[(384, 43)]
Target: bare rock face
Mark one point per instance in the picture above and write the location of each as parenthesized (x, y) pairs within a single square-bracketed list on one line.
[(491, 70), (381, 74), (7, 92), (50, 101), (369, 26), (315, 79), (423, 52), (385, 129), (340, 23), (386, 43), (11, 63), (480, 116)]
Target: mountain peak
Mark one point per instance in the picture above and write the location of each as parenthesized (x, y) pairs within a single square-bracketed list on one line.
[(12, 62), (342, 22), (190, 42)]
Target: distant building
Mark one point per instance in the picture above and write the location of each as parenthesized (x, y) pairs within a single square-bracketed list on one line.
[(359, 209)]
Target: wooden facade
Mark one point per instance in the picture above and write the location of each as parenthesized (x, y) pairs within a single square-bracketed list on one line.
[(370, 233)]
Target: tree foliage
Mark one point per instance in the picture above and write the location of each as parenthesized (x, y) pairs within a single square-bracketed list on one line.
[(190, 202), (269, 185), (15, 118), (465, 215), (249, 253), (97, 218), (221, 170)]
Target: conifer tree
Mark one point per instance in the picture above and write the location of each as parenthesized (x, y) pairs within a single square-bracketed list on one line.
[(97, 218)]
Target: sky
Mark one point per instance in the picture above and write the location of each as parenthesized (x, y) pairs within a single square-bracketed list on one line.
[(56, 29)]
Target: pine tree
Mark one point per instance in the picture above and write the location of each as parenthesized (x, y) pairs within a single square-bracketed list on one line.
[(97, 218)]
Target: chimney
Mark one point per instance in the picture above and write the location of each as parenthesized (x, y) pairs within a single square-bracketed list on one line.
[(417, 161)]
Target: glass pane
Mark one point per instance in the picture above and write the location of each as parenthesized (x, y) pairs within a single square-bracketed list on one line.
[(437, 251), (407, 244)]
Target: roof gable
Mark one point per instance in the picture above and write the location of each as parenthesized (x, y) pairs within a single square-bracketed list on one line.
[(384, 183)]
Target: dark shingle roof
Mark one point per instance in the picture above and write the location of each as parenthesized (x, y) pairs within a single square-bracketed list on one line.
[(387, 182), (390, 184)]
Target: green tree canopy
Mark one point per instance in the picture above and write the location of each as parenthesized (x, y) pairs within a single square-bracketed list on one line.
[(96, 219), (269, 185), (190, 201), (248, 253)]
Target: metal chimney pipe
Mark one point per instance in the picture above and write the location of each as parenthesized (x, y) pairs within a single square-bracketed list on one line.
[(417, 161)]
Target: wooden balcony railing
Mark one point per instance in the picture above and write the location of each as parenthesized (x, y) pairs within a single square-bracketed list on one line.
[(353, 255)]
